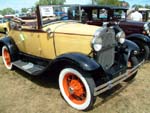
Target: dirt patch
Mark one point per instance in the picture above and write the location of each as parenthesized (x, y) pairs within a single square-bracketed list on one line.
[(20, 93)]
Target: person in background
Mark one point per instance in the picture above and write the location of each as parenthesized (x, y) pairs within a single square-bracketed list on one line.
[(136, 15)]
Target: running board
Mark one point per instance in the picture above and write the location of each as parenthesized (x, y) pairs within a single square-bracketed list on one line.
[(106, 86), (28, 67)]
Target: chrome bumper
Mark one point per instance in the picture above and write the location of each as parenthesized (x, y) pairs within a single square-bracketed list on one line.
[(108, 85)]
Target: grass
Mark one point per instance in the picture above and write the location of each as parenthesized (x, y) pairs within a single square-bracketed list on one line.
[(20, 93)]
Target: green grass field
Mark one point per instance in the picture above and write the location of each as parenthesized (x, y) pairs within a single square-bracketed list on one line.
[(20, 93)]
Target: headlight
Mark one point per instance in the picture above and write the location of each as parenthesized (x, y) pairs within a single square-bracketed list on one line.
[(147, 28), (96, 41), (120, 36)]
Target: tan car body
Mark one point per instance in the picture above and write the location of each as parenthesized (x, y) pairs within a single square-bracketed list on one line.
[(68, 37), (4, 27)]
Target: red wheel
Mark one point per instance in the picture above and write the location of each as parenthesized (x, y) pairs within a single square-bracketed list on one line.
[(76, 89), (6, 58)]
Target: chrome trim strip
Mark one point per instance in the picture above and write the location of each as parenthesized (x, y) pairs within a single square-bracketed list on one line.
[(106, 86)]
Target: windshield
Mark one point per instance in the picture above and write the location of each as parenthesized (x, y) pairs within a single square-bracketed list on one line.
[(3, 20), (119, 14), (58, 13)]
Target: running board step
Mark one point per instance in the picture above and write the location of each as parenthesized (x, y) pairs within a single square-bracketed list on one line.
[(30, 68)]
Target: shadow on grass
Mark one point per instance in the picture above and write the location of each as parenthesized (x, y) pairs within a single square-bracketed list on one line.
[(47, 80), (115, 91)]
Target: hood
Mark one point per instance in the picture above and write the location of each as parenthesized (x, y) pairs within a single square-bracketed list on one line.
[(72, 28)]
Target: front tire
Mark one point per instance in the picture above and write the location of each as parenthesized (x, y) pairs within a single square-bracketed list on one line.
[(144, 50), (6, 57), (133, 61), (77, 88)]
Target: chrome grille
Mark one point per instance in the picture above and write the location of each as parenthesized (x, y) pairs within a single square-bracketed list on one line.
[(105, 57)]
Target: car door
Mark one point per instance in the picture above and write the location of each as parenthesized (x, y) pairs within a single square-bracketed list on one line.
[(31, 39)]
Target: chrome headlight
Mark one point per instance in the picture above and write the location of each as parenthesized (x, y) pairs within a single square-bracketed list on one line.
[(96, 41), (147, 28), (120, 36)]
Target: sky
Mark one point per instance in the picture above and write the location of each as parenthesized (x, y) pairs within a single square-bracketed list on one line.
[(18, 4), (141, 2)]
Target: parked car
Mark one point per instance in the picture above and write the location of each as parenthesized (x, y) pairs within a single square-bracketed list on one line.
[(87, 60), (4, 25), (146, 14), (138, 32)]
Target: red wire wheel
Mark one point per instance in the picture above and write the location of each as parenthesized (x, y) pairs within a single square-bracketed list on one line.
[(6, 58), (76, 88)]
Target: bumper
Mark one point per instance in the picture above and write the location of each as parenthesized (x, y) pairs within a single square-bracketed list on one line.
[(106, 86)]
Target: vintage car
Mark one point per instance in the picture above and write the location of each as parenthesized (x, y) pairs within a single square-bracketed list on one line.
[(139, 32), (4, 25), (87, 60), (146, 14)]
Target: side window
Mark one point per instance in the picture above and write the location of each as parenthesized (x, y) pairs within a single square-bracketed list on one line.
[(99, 14), (95, 14), (119, 14), (103, 14)]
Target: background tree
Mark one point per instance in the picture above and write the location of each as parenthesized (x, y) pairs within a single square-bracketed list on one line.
[(24, 10), (7, 11), (138, 6), (108, 2), (147, 6), (50, 2), (0, 11), (124, 4)]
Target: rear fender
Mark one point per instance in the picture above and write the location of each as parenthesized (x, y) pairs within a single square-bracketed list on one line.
[(11, 46)]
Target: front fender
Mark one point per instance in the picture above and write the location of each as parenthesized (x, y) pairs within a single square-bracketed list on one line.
[(131, 48), (80, 60), (139, 37)]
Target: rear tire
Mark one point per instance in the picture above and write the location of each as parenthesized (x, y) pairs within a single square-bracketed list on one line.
[(77, 88), (133, 62), (6, 57)]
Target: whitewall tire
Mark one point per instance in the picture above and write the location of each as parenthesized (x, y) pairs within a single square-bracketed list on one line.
[(6, 57), (77, 89)]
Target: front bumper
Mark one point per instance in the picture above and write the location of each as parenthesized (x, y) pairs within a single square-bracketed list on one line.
[(108, 85)]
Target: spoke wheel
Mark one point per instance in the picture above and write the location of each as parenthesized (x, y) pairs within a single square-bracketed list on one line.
[(6, 58), (77, 89), (74, 88)]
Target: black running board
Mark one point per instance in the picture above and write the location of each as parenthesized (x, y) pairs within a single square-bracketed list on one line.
[(28, 67)]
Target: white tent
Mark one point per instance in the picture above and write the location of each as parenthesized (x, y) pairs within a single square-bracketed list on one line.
[(1, 16), (83, 2)]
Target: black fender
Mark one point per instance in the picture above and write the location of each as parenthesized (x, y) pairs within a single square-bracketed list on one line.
[(139, 37), (11, 46), (78, 59), (131, 48)]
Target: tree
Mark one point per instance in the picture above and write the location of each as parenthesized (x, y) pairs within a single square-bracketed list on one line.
[(124, 4), (24, 10), (138, 6), (7, 11), (0, 11), (50, 2), (147, 6), (108, 2)]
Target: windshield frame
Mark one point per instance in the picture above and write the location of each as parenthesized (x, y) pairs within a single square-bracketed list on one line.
[(39, 15)]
